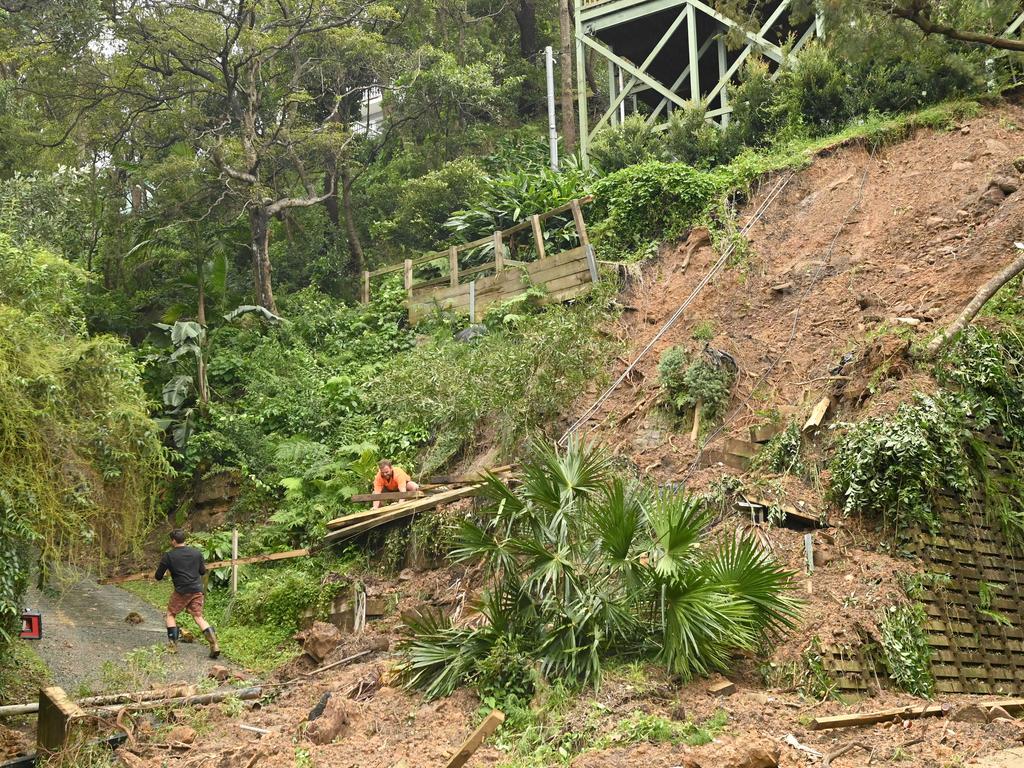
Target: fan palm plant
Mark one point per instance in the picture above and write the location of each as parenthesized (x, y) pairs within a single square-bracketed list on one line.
[(582, 565)]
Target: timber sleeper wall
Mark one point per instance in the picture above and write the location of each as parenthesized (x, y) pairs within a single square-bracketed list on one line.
[(975, 617)]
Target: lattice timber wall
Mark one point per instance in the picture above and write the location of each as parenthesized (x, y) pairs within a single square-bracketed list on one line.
[(973, 649)]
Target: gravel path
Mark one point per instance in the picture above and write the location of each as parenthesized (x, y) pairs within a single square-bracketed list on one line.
[(84, 626)]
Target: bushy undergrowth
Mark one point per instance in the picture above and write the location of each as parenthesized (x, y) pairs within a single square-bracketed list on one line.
[(906, 652), (895, 466), (582, 565), (687, 380), (80, 459)]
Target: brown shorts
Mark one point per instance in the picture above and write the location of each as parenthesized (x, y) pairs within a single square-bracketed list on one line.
[(192, 603)]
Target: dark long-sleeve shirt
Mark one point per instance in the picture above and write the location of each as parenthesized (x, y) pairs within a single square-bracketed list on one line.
[(187, 568)]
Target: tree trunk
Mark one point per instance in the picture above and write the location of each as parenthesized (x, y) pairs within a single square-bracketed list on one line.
[(357, 262), (565, 64), (204, 388), (259, 230), (526, 18), (987, 291)]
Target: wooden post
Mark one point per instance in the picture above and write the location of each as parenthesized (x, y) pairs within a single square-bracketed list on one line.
[(453, 266), (592, 264), (472, 302), (538, 235), (366, 286), (499, 252), (408, 278), (57, 714), (486, 728), (581, 227), (809, 551), (234, 561)]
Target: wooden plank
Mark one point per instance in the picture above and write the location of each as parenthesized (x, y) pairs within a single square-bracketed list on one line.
[(406, 509), (485, 729), (387, 270), (366, 514), (818, 413), (740, 447), (408, 279), (453, 266), (765, 432), (499, 252), (267, 558), (366, 286), (395, 496), (538, 236), (581, 227), (57, 715), (880, 716)]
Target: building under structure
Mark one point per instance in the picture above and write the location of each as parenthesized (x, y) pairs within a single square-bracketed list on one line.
[(671, 53)]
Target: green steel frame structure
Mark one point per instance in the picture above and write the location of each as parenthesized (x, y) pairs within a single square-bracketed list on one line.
[(682, 53)]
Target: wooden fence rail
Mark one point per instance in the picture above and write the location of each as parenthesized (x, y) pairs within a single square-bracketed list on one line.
[(498, 239)]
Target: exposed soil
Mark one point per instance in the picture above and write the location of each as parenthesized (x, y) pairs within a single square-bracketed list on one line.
[(853, 244)]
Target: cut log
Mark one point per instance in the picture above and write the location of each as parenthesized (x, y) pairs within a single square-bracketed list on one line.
[(485, 729), (243, 694), (818, 413), (880, 716)]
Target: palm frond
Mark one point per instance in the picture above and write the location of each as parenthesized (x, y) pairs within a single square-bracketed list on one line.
[(678, 521), (757, 578)]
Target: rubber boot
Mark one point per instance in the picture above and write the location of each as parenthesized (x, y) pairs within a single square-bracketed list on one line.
[(173, 634), (211, 637)]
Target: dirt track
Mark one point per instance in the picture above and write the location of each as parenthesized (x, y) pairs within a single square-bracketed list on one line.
[(84, 627)]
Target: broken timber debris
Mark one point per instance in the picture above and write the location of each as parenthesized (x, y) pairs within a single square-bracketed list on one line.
[(818, 413), (172, 692), (881, 716), (486, 728), (58, 715), (722, 688)]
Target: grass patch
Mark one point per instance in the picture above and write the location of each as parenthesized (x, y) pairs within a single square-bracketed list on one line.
[(257, 647), (23, 673)]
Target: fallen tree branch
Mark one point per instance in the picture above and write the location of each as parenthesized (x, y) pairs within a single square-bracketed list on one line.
[(987, 291)]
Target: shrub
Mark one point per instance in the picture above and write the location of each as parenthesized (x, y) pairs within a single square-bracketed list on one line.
[(686, 382), (905, 649), (813, 91), (632, 142), (755, 110), (646, 202), (426, 202), (782, 453), (892, 466), (583, 565), (692, 139)]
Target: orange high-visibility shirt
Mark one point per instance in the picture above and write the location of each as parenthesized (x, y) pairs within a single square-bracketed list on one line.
[(398, 479)]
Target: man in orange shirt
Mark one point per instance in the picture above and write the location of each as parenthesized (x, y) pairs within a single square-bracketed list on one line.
[(392, 479)]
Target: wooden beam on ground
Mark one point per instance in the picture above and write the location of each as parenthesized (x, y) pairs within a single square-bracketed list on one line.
[(57, 715), (396, 512), (267, 558), (472, 744), (880, 716), (818, 413), (396, 496)]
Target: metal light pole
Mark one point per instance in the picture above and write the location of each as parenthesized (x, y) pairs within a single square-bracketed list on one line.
[(549, 65)]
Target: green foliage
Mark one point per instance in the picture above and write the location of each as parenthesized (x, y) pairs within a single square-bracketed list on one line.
[(646, 202), (425, 204), (813, 679), (755, 113), (782, 454), (586, 565), (518, 378), (79, 457), (692, 139), (633, 142), (905, 649), (686, 381), (813, 91), (892, 466), (642, 727), (22, 672)]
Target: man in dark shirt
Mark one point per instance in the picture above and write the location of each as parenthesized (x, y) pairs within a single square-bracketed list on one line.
[(187, 568)]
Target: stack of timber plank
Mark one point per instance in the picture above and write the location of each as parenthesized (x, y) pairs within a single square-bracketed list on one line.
[(350, 526)]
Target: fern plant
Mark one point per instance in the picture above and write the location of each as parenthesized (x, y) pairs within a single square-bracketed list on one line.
[(582, 565)]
